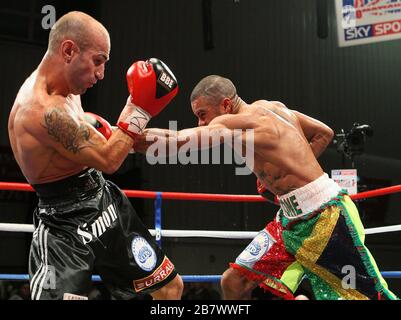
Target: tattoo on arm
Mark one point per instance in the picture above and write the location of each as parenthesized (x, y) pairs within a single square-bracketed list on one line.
[(270, 179), (66, 131), (262, 175)]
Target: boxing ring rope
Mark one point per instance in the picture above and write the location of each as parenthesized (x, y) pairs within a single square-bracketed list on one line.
[(237, 235), (185, 278), (159, 233), (12, 186)]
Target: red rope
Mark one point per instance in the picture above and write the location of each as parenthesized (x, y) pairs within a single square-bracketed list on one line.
[(377, 192), (195, 196), (205, 196), (15, 186)]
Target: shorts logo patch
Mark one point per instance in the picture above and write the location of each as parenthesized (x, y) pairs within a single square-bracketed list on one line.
[(70, 296), (161, 273), (257, 248), (144, 255)]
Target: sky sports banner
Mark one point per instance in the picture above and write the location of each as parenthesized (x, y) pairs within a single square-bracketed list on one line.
[(367, 21)]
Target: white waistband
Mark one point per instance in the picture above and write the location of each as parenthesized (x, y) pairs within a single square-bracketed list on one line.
[(308, 198)]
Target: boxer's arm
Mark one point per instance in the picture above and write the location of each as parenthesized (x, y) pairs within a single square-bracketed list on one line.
[(78, 141), (199, 138), (316, 132), (220, 130)]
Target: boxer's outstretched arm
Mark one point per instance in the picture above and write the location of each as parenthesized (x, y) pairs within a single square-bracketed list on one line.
[(77, 141), (316, 132), (200, 138)]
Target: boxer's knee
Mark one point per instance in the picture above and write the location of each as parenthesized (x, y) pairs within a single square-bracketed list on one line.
[(171, 291), (230, 281), (236, 286)]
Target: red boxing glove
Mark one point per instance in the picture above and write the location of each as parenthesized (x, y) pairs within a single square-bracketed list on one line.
[(152, 86), (99, 124), (270, 197)]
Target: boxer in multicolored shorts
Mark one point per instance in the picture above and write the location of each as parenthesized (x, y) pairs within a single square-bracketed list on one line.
[(318, 234), (317, 231)]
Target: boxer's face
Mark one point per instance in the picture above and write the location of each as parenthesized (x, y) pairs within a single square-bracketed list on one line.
[(88, 65), (205, 111)]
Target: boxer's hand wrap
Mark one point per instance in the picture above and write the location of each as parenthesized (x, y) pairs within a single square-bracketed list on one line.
[(270, 197), (133, 119), (152, 86), (100, 124)]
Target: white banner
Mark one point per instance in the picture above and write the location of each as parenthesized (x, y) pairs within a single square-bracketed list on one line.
[(367, 21), (347, 179)]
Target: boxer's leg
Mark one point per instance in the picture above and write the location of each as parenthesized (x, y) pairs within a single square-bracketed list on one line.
[(58, 265), (236, 286), (132, 262), (264, 262), (171, 291)]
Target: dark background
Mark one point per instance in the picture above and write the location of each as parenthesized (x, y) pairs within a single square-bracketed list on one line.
[(282, 50)]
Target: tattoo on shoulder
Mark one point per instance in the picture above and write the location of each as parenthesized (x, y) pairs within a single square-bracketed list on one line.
[(268, 177), (65, 130), (262, 174)]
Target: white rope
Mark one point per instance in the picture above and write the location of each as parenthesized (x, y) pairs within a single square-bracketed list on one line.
[(13, 227), (206, 234), (383, 229)]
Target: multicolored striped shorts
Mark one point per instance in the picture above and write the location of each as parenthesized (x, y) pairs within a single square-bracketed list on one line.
[(325, 244)]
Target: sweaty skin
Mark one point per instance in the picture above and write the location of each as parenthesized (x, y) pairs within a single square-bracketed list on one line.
[(286, 145), (48, 134), (286, 142)]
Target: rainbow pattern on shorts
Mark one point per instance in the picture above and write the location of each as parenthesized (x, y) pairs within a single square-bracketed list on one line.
[(330, 247), (326, 245)]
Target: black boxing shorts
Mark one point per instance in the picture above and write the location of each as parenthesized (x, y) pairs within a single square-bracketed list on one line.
[(84, 223)]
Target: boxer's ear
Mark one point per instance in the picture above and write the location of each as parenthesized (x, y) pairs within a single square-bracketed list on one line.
[(227, 105), (68, 50)]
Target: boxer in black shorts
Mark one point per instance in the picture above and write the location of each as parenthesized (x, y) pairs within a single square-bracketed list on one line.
[(82, 221), (88, 222)]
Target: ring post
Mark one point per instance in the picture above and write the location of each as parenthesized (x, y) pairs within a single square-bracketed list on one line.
[(158, 218)]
